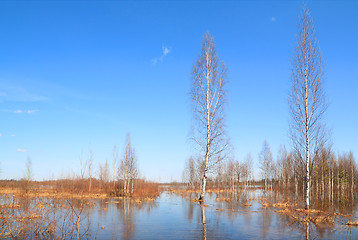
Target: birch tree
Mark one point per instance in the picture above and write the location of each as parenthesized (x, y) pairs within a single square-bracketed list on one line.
[(209, 101), (247, 169), (128, 169), (28, 175), (307, 102), (28, 171), (189, 172), (266, 162), (89, 165), (103, 174), (114, 165)]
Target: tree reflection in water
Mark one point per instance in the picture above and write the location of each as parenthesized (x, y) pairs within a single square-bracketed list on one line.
[(203, 221), (307, 230)]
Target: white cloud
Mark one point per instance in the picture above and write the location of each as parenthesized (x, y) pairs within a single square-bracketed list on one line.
[(272, 19), (19, 111), (31, 111), (0, 134), (21, 150), (166, 50), (154, 61)]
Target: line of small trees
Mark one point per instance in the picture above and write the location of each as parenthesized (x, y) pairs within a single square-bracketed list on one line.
[(332, 175), (226, 174), (122, 178)]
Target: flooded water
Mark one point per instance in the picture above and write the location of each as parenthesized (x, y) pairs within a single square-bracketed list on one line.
[(172, 216), (175, 216)]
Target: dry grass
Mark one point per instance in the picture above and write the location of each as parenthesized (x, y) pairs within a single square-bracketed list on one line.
[(25, 212), (308, 211), (343, 215), (283, 205), (265, 205), (223, 199), (352, 223), (50, 193), (284, 211), (112, 202), (12, 206), (65, 189), (214, 190), (325, 218), (304, 216)]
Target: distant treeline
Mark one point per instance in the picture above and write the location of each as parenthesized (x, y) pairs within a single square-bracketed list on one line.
[(334, 176)]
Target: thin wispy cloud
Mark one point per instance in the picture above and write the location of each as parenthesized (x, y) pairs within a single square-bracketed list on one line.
[(273, 19), (31, 111), (19, 94), (165, 51), (0, 134), (21, 150), (12, 135), (19, 111)]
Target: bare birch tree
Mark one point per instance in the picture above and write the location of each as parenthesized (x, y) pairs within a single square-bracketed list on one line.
[(28, 175), (28, 171), (103, 174), (83, 167), (209, 101), (128, 169), (114, 165), (247, 169), (353, 169), (189, 174), (89, 165), (266, 162), (306, 99)]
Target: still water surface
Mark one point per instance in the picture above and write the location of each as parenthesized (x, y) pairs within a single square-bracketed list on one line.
[(172, 216)]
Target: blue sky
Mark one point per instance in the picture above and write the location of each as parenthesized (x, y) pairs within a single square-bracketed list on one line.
[(79, 75)]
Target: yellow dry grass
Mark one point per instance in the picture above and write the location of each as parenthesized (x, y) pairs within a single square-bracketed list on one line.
[(283, 211), (10, 206), (148, 199), (304, 216), (265, 205), (113, 202), (326, 218), (308, 211), (50, 193), (352, 223), (343, 215), (223, 199)]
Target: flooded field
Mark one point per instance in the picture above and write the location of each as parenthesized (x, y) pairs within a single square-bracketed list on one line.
[(173, 215)]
